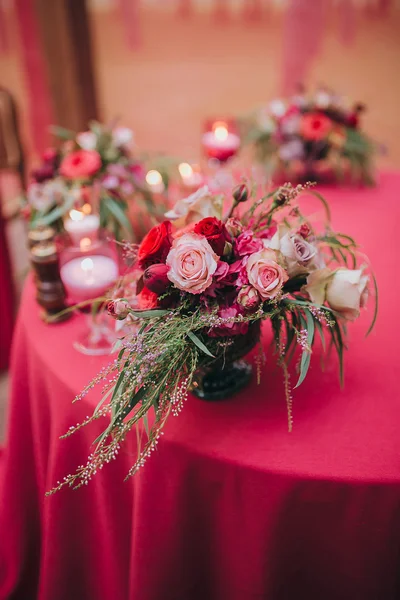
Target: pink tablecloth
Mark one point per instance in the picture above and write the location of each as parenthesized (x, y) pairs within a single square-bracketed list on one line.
[(232, 506), (7, 310)]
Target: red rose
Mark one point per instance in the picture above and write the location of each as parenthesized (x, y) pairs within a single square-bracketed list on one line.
[(155, 278), (80, 164), (315, 126), (147, 299), (214, 231), (155, 245)]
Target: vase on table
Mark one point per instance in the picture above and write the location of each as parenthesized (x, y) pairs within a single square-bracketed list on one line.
[(226, 374)]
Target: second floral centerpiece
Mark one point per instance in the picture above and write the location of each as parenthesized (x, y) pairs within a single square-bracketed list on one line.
[(194, 302)]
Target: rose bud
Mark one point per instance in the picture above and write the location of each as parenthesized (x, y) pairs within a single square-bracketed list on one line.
[(248, 297), (234, 227), (304, 230), (119, 309), (280, 199), (240, 193), (155, 278)]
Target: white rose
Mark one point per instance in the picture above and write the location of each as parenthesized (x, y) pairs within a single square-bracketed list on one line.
[(345, 290), (87, 140), (277, 108), (122, 136), (198, 206)]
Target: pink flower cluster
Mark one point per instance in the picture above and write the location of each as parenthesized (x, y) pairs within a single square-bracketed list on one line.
[(213, 262)]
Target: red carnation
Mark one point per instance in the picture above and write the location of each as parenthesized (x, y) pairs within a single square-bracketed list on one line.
[(214, 231), (80, 164), (155, 245), (315, 126)]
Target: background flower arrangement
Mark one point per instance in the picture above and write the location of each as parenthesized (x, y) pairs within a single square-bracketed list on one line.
[(101, 158), (298, 135), (197, 294)]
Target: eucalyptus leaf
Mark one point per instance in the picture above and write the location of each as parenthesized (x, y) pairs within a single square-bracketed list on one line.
[(199, 343)]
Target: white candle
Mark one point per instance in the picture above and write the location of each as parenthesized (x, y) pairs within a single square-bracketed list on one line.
[(88, 278), (221, 143), (155, 182), (191, 179), (81, 226)]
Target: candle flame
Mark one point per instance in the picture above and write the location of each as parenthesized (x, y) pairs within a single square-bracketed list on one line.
[(85, 243), (87, 265), (185, 170), (76, 215), (153, 178), (220, 131)]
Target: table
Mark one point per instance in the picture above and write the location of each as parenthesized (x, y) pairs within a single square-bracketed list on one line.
[(232, 506)]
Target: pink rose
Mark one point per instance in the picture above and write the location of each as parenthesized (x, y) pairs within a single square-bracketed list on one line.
[(248, 297), (246, 243), (192, 263), (80, 164), (265, 274), (221, 271)]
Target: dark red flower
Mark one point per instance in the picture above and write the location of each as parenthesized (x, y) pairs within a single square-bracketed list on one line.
[(214, 231), (43, 173), (155, 278), (155, 245)]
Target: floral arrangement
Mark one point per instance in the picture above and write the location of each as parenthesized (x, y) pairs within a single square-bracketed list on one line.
[(299, 135), (99, 157), (196, 294)]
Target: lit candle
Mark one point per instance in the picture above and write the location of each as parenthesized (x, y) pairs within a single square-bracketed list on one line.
[(155, 182), (220, 143), (80, 225), (191, 179), (88, 278)]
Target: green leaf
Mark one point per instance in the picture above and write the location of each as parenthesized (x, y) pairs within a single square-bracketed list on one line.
[(62, 132), (306, 355), (321, 334), (199, 343), (56, 213), (325, 204), (149, 314), (116, 211), (376, 305)]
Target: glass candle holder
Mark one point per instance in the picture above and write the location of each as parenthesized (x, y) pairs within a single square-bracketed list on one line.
[(220, 142), (82, 222), (87, 272)]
